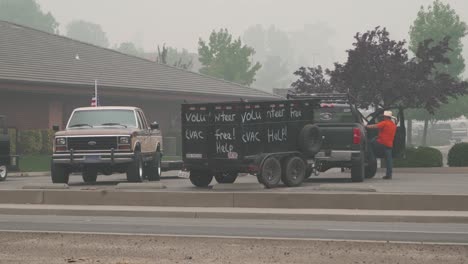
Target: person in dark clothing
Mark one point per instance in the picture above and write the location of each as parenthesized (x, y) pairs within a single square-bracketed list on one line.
[(384, 141)]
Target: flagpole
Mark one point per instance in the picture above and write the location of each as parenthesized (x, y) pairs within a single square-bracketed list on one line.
[(95, 92)]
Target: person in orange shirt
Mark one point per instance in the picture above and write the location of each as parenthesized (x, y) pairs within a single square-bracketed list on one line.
[(387, 130)]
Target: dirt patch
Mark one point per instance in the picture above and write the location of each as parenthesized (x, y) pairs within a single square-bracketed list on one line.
[(72, 248)]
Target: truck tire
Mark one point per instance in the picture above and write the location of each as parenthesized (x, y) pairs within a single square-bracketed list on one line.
[(226, 177), (371, 168), (153, 170), (59, 173), (357, 170), (294, 171), (3, 172), (309, 141), (201, 178), (135, 169), (270, 173), (89, 174)]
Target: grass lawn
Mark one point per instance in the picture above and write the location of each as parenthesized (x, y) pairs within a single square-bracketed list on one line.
[(32, 163)]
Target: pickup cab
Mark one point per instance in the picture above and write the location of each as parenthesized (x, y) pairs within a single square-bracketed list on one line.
[(106, 140)]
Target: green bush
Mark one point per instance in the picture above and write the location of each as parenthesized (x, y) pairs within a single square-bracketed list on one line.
[(30, 142), (458, 155), (47, 139), (420, 157)]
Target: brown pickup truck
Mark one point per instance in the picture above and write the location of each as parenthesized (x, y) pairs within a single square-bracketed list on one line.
[(107, 140)]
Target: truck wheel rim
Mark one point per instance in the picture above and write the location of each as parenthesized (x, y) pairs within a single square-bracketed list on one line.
[(2, 172)]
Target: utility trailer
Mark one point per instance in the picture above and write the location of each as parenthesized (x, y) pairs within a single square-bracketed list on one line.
[(274, 140)]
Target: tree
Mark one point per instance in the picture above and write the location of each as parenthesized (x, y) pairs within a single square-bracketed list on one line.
[(27, 13), (437, 23), (274, 74), (171, 56), (128, 48), (312, 80), (379, 73), (273, 51), (228, 59), (87, 32)]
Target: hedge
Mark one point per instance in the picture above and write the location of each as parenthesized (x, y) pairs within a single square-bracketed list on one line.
[(420, 157), (33, 142), (458, 155)]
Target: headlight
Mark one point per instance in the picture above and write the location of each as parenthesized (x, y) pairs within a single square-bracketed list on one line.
[(124, 140), (61, 141)]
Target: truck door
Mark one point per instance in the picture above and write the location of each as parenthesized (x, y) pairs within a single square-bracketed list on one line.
[(399, 143)]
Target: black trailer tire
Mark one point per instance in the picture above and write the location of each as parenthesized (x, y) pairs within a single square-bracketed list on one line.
[(226, 177), (371, 168), (357, 170), (3, 172), (270, 173), (135, 169), (89, 174), (294, 171), (309, 141), (153, 170), (59, 173), (201, 178)]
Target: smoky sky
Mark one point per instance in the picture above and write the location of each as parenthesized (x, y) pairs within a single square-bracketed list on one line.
[(180, 23)]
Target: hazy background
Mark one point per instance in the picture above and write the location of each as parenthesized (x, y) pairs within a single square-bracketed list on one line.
[(180, 23)]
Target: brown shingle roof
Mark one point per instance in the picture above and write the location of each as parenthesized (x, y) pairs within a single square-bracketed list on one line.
[(30, 55)]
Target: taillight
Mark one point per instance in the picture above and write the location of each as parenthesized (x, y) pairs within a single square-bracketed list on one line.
[(357, 135)]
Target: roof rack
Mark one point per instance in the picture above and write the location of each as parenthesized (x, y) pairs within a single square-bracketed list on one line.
[(320, 96)]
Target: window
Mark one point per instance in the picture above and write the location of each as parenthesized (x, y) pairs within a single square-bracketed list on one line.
[(96, 118), (334, 115)]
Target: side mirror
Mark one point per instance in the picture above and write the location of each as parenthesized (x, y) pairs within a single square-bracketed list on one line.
[(154, 125), (55, 128)]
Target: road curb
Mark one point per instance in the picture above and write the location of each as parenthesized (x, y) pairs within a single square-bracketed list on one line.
[(246, 213), (313, 200)]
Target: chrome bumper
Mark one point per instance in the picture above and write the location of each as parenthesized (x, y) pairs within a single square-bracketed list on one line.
[(337, 155), (92, 158)]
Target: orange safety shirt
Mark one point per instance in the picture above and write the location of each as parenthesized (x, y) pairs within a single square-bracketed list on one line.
[(387, 130)]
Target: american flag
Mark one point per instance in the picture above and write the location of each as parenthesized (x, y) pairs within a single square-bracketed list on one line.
[(94, 101)]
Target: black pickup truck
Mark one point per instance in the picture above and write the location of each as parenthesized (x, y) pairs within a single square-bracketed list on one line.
[(286, 140), (4, 149), (345, 139)]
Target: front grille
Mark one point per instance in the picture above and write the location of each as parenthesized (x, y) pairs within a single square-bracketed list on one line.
[(83, 143)]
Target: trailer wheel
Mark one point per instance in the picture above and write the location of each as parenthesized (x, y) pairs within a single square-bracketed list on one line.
[(226, 177), (201, 178), (310, 141), (270, 173), (294, 171)]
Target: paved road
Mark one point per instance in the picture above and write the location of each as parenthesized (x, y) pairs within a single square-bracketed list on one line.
[(402, 183), (444, 233)]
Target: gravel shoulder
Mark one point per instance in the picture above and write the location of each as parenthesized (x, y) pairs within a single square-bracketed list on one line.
[(83, 248)]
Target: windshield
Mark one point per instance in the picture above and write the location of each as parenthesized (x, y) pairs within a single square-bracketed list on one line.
[(100, 118)]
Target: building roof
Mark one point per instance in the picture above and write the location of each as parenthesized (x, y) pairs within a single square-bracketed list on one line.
[(28, 54)]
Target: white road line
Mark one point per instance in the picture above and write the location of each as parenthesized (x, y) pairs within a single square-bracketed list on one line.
[(398, 231)]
